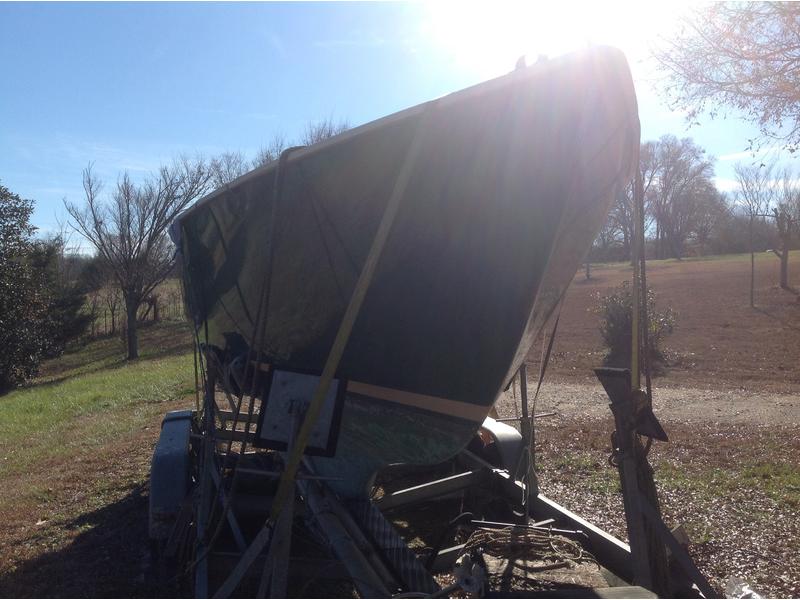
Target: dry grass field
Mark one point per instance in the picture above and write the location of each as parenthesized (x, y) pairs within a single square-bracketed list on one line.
[(75, 444), (718, 339), (729, 400)]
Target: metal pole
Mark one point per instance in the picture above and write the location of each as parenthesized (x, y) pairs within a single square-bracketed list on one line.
[(752, 267), (318, 501), (523, 396), (281, 547), (203, 506), (638, 238)]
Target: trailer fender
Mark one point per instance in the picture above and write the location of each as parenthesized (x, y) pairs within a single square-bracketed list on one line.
[(507, 440), (170, 473)]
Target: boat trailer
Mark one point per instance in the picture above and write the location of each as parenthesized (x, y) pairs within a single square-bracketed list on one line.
[(471, 525), (242, 500)]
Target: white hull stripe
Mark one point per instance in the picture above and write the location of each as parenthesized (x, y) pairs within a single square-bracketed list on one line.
[(453, 408)]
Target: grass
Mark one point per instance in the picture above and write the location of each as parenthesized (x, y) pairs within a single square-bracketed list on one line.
[(92, 396), (589, 470), (794, 255), (779, 480), (75, 448), (735, 488), (776, 479)]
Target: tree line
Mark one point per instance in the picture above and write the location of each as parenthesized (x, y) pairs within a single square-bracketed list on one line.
[(51, 294), (726, 59), (686, 215), (41, 306)]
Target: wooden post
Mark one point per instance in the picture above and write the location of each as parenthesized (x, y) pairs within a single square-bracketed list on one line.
[(648, 551), (617, 385)]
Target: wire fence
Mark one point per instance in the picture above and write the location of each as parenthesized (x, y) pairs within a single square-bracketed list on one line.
[(108, 309)]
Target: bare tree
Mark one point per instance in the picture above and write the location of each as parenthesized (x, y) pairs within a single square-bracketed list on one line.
[(227, 167), (681, 172), (614, 239), (111, 298), (681, 203), (755, 195), (607, 245), (618, 231), (69, 261), (130, 231), (316, 131), (98, 279), (92, 306), (270, 152), (622, 211), (756, 191), (739, 55), (711, 209), (787, 220), (650, 167)]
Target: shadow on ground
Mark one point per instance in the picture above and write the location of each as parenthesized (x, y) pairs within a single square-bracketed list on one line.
[(787, 321), (110, 558), (156, 340)]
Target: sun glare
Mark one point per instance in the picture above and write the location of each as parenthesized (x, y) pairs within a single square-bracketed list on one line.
[(488, 38)]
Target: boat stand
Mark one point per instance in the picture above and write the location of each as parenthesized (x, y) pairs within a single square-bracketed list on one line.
[(651, 542)]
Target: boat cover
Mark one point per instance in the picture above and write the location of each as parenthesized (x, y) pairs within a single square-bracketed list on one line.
[(512, 181)]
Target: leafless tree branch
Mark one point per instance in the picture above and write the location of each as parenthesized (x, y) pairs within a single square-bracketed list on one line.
[(129, 230)]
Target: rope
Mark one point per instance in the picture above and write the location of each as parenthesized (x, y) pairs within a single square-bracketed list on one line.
[(514, 543), (528, 456), (254, 358)]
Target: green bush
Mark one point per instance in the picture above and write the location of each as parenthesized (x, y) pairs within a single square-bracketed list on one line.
[(615, 326), (65, 319), (40, 309), (23, 294)]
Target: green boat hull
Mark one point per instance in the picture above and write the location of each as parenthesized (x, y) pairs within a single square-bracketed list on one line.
[(512, 181)]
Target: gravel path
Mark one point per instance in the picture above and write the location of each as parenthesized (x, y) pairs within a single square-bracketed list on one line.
[(729, 474), (684, 404)]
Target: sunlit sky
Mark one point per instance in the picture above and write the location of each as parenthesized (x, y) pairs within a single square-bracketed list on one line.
[(128, 86)]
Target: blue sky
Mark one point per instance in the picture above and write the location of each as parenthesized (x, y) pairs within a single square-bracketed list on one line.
[(128, 86)]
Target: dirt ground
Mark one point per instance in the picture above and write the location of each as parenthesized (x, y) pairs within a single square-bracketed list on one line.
[(719, 340), (734, 490), (84, 534), (729, 400), (723, 404)]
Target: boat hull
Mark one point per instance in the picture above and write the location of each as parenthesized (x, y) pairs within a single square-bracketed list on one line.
[(512, 180)]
